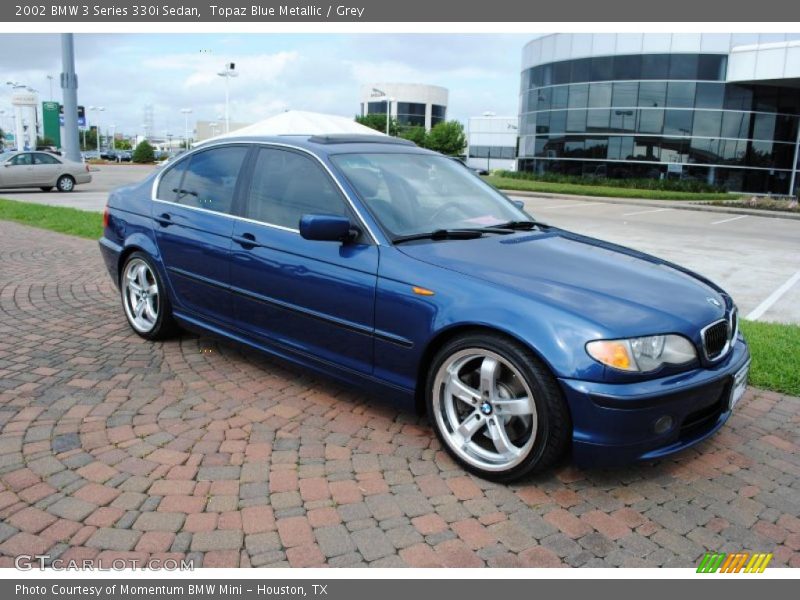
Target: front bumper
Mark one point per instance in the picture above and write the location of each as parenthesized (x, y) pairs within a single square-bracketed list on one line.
[(613, 424)]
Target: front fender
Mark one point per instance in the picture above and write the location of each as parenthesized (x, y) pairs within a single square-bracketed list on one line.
[(408, 325)]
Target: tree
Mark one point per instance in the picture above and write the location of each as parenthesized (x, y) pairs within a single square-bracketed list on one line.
[(45, 141), (143, 153), (378, 123), (448, 138), (123, 144), (416, 134), (89, 139)]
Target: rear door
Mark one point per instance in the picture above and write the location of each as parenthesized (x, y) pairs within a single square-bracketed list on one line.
[(313, 297), (193, 225), (46, 168)]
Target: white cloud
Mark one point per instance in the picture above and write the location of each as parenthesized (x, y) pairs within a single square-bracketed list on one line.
[(310, 72)]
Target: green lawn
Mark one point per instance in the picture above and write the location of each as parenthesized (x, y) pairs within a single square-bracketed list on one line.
[(775, 348), (525, 185), (55, 218)]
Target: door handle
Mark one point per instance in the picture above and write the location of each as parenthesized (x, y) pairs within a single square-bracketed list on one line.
[(164, 219), (246, 240)]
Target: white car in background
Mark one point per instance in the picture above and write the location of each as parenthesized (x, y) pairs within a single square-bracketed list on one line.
[(42, 170)]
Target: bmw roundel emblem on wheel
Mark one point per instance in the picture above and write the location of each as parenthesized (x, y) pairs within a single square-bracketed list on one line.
[(398, 270)]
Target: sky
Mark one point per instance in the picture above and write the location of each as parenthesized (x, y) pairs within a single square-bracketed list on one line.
[(317, 72)]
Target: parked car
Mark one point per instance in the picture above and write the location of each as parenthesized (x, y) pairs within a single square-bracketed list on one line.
[(42, 170), (50, 149), (90, 155), (463, 161), (390, 267)]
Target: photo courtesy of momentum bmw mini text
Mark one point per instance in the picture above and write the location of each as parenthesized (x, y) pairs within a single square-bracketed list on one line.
[(398, 300)]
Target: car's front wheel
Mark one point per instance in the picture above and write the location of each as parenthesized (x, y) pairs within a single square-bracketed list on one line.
[(65, 183), (496, 407), (144, 298)]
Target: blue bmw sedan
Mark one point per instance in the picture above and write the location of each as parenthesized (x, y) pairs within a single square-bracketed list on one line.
[(396, 269)]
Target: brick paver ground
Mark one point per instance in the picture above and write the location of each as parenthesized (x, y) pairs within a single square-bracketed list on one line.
[(114, 447)]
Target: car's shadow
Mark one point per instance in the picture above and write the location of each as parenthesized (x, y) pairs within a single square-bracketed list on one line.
[(563, 473)]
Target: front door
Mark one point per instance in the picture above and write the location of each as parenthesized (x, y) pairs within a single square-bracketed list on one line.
[(316, 298), (17, 171)]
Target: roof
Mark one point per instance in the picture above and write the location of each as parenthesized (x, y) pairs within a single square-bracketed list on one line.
[(300, 123), (329, 145)]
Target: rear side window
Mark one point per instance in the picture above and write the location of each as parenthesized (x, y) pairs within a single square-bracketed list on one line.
[(40, 158), (205, 180), (287, 185), (171, 181)]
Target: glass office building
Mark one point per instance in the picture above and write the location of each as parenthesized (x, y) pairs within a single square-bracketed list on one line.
[(718, 108)]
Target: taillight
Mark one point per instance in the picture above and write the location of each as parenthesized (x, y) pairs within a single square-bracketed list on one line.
[(87, 166), (105, 217)]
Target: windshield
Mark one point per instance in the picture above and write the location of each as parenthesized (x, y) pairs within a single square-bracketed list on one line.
[(418, 193)]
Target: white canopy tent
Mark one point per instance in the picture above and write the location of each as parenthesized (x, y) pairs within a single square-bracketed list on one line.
[(299, 122)]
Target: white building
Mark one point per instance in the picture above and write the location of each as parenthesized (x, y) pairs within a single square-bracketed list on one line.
[(412, 104), (492, 142)]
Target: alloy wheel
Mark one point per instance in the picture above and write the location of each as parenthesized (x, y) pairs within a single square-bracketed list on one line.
[(485, 409), (141, 295)]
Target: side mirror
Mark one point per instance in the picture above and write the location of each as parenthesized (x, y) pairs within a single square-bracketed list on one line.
[(327, 228), (518, 203)]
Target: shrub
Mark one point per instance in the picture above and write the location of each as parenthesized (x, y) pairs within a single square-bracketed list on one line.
[(143, 153), (670, 185)]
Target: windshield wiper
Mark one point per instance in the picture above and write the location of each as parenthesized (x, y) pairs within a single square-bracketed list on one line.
[(450, 234), (522, 225)]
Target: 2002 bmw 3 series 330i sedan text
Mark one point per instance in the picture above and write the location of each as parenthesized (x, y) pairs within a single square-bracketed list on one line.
[(397, 269)]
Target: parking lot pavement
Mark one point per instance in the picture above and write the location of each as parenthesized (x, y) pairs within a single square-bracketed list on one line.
[(113, 447), (90, 196), (756, 259)]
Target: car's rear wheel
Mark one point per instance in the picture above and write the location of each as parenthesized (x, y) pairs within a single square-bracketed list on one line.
[(144, 299), (65, 183), (496, 408)]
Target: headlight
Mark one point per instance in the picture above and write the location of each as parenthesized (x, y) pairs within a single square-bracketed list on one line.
[(643, 353)]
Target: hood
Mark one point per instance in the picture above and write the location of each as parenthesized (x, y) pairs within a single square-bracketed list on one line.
[(621, 291)]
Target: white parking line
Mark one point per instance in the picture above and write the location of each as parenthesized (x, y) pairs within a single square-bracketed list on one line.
[(729, 220), (574, 205), (759, 310), (644, 212)]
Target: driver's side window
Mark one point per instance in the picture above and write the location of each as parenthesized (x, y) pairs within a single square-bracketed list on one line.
[(21, 160), (287, 185)]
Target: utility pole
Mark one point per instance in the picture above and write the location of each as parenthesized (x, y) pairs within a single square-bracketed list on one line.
[(69, 89)]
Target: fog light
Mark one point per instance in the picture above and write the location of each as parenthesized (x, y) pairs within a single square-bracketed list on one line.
[(663, 424)]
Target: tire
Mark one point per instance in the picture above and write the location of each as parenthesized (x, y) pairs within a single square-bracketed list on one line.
[(144, 299), (46, 188), (65, 183), (478, 394)]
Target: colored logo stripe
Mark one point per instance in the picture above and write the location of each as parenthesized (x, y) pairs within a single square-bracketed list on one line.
[(734, 563), (758, 563)]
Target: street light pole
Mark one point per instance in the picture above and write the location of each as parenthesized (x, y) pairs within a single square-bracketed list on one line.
[(186, 112), (227, 73), (97, 126)]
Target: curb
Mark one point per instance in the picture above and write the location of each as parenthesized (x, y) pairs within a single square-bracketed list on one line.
[(676, 204)]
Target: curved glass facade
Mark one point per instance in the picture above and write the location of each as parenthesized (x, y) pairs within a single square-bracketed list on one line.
[(658, 115)]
